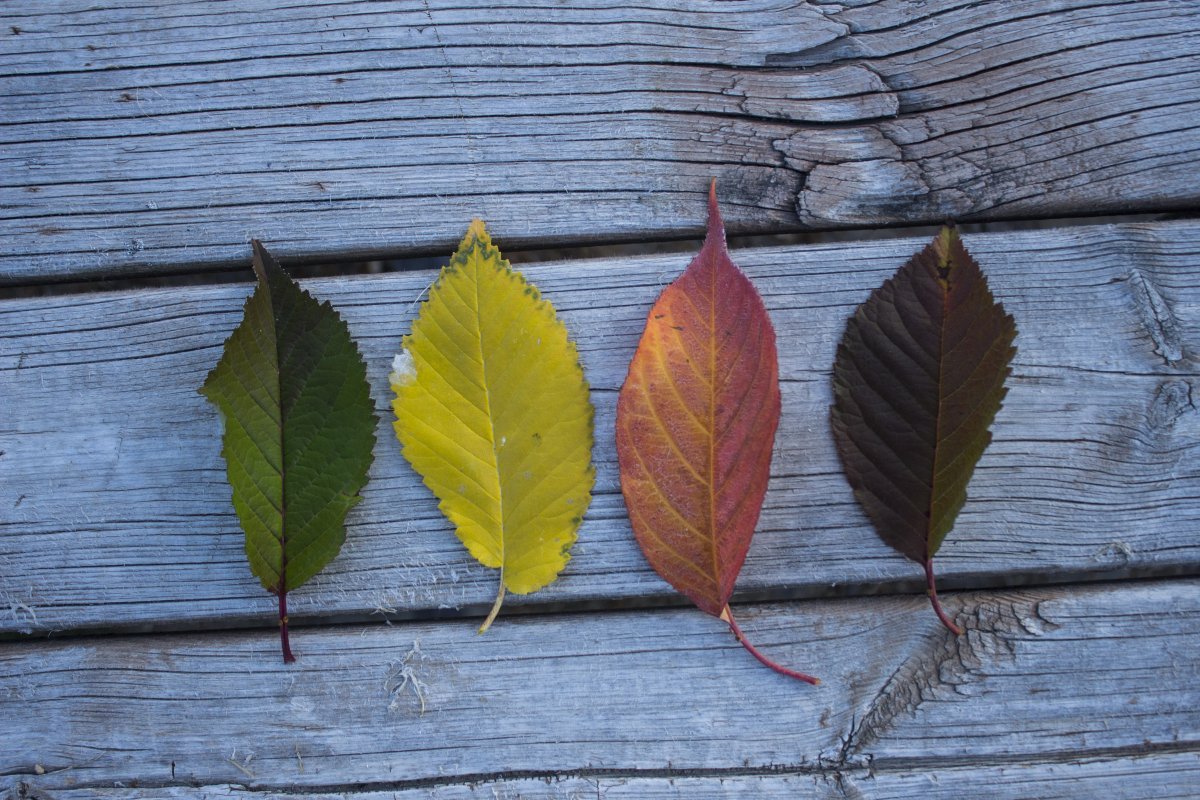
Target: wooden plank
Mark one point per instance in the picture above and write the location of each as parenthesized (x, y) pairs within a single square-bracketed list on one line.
[(114, 511), (1055, 675), (1148, 777), (136, 142), (1153, 777)]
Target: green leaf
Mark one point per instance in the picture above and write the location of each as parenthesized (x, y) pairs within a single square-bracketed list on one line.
[(492, 410), (299, 430), (918, 379)]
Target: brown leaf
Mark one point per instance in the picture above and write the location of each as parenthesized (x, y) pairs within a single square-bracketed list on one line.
[(918, 379)]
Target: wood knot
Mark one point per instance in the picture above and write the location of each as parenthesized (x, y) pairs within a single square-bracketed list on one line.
[(1172, 400), (1157, 317)]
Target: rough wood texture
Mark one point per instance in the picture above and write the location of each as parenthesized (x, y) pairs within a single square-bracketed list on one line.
[(1041, 675), (1152, 777), (115, 513), (139, 141)]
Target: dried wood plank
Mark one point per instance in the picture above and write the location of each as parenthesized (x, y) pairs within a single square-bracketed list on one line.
[(1057, 675), (134, 142), (114, 511), (1152, 777)]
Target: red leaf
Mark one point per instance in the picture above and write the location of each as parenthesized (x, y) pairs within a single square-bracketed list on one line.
[(696, 421)]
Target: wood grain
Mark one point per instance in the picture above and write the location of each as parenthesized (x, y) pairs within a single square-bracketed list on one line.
[(115, 513), (1045, 675), (139, 142)]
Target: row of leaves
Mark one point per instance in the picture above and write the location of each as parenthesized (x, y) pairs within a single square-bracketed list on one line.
[(492, 410)]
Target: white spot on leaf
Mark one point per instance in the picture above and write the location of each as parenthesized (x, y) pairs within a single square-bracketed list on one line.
[(403, 371)]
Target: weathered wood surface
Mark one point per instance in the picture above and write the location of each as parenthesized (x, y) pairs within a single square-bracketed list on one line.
[(136, 141), (1053, 675), (115, 513), (1152, 777)]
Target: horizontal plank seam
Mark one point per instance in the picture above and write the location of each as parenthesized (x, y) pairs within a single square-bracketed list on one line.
[(667, 600), (218, 273)]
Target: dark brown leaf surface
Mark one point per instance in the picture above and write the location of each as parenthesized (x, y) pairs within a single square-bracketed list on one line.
[(918, 379)]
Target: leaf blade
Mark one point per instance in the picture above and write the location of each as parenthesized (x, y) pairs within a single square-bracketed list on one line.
[(513, 476), (299, 428), (697, 383), (696, 422), (917, 381)]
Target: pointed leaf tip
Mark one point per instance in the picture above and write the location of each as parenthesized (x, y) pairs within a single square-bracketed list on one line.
[(918, 379), (477, 230), (949, 249), (716, 225), (259, 260)]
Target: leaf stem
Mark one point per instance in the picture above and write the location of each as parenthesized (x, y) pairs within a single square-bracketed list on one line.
[(491, 617), (933, 598), (288, 658), (727, 615)]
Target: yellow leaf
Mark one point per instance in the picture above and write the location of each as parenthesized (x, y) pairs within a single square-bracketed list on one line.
[(492, 410)]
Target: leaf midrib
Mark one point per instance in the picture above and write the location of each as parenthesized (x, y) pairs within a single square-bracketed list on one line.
[(712, 425), (941, 399), (260, 266), (476, 261)]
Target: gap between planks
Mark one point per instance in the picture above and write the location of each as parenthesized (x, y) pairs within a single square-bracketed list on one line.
[(302, 267)]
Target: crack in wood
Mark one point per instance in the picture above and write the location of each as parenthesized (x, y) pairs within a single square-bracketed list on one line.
[(943, 665), (841, 780)]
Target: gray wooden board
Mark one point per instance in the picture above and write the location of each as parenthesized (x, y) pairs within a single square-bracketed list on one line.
[(115, 513), (1056, 674), (1152, 777), (153, 141)]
